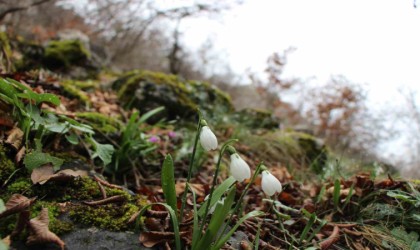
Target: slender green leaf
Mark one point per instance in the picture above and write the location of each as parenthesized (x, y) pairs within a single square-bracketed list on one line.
[(349, 195), (149, 114), (399, 195), (226, 237), (173, 218), (321, 194), (168, 182), (336, 194), (217, 219), (72, 138), (7, 89), (217, 194), (257, 238), (308, 227), (78, 126)]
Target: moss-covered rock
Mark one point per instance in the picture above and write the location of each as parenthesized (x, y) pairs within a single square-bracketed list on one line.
[(110, 216), (256, 118), (73, 91), (146, 90), (67, 57), (5, 53), (313, 150), (64, 54)]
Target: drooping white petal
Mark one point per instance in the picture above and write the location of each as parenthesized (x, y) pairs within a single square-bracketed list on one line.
[(270, 184), (207, 139), (239, 169)]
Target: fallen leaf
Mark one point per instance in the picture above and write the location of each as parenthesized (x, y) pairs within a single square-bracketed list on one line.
[(42, 174), (39, 231), (20, 154), (21, 222), (152, 238), (15, 137), (198, 188), (16, 204), (46, 173)]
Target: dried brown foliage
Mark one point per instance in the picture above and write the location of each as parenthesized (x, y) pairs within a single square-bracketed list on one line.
[(39, 231)]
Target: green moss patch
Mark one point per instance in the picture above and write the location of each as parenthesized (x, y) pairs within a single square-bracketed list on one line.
[(63, 54), (146, 90), (111, 216), (7, 167)]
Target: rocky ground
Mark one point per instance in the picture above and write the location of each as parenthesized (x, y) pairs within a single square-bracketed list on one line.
[(82, 148)]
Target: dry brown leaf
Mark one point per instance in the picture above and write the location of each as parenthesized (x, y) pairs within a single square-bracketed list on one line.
[(16, 204), (20, 154), (46, 173), (42, 174), (39, 231), (152, 238), (180, 187), (15, 137), (21, 222)]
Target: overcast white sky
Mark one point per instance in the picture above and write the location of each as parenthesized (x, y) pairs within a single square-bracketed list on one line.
[(372, 42), (375, 42)]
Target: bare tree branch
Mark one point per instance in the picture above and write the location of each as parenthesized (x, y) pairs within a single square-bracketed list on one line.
[(13, 9)]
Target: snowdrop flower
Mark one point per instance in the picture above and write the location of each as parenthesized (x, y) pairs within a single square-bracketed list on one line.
[(270, 184), (207, 139), (239, 169)]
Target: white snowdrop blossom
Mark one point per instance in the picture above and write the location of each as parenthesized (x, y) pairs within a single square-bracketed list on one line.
[(270, 184), (239, 169), (207, 139)]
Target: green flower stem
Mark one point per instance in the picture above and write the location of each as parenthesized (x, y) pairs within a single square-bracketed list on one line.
[(222, 150), (239, 203), (184, 196)]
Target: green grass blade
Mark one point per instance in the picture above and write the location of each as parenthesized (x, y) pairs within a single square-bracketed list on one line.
[(349, 196), (336, 194), (226, 237), (321, 194), (168, 182), (217, 194), (149, 114), (308, 227), (220, 214), (256, 242)]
